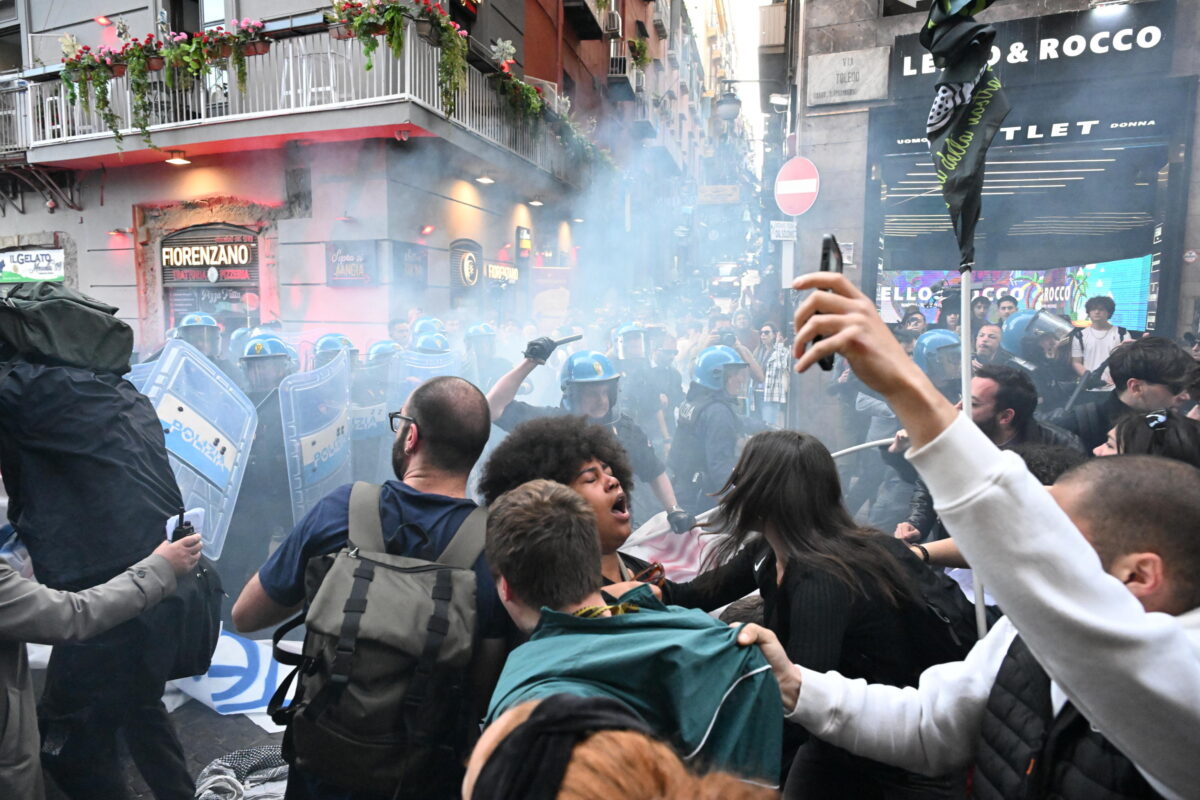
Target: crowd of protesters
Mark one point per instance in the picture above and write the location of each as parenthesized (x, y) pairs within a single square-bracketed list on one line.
[(531, 656)]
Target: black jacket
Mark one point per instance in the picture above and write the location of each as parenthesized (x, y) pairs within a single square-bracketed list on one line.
[(1091, 422), (1027, 752)]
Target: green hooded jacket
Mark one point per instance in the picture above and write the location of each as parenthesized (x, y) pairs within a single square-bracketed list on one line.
[(681, 670)]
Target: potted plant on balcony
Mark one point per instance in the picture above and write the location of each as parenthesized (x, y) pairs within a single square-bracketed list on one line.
[(639, 51), (80, 67), (142, 56), (187, 55), (525, 100), (351, 19), (452, 61)]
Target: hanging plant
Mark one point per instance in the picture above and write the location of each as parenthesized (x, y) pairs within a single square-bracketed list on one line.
[(78, 71), (639, 50), (452, 61), (363, 21), (187, 55), (524, 99), (139, 55)]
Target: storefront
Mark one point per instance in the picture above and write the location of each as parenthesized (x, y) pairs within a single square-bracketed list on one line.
[(212, 269), (1086, 187)]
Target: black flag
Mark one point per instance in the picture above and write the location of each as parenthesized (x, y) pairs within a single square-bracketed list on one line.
[(967, 110)]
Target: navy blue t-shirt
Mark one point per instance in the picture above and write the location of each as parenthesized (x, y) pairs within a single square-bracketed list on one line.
[(415, 524)]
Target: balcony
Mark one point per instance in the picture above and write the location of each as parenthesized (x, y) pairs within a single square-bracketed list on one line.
[(620, 71), (666, 154), (14, 125), (772, 25), (304, 85), (585, 17), (662, 17), (645, 125)]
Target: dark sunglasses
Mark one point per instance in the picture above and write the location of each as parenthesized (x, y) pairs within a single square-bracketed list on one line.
[(394, 417)]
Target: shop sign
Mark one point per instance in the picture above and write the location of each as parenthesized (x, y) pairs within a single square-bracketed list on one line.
[(350, 264), (717, 194), (524, 241), (468, 269), (210, 254), (1189, 256), (18, 266), (412, 261), (848, 77), (506, 273), (1114, 41)]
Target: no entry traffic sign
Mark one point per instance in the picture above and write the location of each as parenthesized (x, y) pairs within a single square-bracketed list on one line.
[(796, 186)]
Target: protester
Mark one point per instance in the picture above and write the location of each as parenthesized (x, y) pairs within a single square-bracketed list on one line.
[(1003, 400), (589, 385), (574, 748), (583, 456), (1092, 345), (1148, 374), (981, 305), (440, 433), (1165, 433), (1122, 653), (677, 669), (35, 613), (914, 321), (1006, 306), (987, 345), (776, 362)]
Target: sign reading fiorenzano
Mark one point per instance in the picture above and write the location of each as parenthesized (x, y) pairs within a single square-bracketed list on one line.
[(194, 255), (19, 266)]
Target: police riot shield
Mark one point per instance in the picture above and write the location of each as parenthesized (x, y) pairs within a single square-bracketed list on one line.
[(370, 432), (315, 410), (410, 369), (138, 374), (209, 426)]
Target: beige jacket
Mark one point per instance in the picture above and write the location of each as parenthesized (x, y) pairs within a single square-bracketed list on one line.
[(30, 612)]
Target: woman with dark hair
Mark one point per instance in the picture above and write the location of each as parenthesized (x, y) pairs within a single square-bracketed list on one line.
[(837, 596), (1165, 433)]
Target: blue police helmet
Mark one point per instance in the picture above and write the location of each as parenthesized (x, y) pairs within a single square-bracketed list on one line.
[(480, 330), (586, 366), (427, 325), (935, 353), (382, 350), (431, 343), (264, 347), (332, 342), (710, 366), (1013, 330), (198, 320)]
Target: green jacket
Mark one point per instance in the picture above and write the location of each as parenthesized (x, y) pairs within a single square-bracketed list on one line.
[(681, 670)]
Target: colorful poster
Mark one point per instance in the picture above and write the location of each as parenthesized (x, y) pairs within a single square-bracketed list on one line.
[(19, 266), (1064, 290)]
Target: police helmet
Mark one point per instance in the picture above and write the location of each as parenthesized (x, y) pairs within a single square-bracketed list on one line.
[(937, 353), (711, 364), (480, 330), (329, 345), (1023, 331), (198, 320), (202, 332), (426, 325), (588, 367), (382, 350), (265, 347), (237, 342), (434, 343)]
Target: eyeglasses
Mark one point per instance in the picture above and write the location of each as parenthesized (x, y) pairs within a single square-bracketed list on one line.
[(395, 416), (766, 332), (656, 574)]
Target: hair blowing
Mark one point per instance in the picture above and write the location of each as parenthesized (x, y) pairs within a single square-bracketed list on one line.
[(787, 480)]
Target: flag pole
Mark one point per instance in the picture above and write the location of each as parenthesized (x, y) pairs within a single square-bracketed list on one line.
[(966, 343)]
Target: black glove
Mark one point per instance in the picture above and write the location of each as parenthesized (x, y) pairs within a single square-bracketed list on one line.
[(540, 349), (680, 520)]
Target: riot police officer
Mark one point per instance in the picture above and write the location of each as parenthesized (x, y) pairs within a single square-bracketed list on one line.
[(639, 397), (589, 386), (483, 367), (329, 345), (706, 438)]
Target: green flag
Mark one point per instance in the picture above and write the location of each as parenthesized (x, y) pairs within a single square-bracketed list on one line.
[(967, 110)]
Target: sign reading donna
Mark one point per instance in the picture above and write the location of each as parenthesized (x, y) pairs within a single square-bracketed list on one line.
[(188, 255), (1112, 41), (19, 266)]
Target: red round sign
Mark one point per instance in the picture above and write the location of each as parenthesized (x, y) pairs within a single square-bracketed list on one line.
[(796, 186)]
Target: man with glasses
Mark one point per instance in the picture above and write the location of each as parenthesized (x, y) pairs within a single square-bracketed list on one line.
[(1148, 374), (440, 433)]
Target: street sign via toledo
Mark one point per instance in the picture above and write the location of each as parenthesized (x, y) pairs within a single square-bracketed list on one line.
[(796, 186)]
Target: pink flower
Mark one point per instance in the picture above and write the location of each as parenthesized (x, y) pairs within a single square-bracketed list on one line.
[(233, 24), (463, 34)]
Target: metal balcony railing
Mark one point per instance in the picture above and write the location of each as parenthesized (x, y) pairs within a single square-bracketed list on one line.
[(662, 17), (14, 122), (302, 74), (586, 17)]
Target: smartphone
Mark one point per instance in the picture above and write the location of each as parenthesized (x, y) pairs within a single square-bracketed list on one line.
[(831, 261)]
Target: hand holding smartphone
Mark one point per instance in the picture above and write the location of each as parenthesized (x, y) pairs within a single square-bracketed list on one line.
[(831, 261)]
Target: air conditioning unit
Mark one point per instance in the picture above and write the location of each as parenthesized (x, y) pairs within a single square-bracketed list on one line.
[(612, 23), (549, 92), (639, 80)]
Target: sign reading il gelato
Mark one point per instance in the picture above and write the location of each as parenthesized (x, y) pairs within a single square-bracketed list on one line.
[(18, 266)]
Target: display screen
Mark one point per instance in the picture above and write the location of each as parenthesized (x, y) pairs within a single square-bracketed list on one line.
[(1064, 289)]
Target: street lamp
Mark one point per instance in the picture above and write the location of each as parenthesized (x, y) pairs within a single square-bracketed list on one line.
[(728, 106)]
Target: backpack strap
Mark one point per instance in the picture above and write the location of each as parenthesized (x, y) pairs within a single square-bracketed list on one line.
[(464, 549), (366, 531)]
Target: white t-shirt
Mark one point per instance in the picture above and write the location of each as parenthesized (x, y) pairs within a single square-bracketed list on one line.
[(1096, 345)]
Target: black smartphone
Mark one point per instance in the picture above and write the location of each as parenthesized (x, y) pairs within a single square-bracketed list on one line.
[(831, 261)]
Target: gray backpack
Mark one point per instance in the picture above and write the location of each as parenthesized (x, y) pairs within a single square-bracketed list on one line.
[(381, 705)]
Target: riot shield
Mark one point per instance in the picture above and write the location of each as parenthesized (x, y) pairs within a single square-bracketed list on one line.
[(371, 434), (315, 409), (138, 374), (209, 426), (410, 369)]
